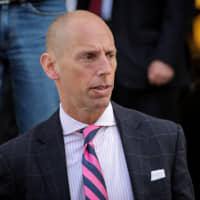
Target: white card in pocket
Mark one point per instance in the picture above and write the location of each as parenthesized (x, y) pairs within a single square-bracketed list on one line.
[(157, 174)]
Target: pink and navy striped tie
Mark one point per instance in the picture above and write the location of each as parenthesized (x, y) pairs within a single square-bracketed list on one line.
[(94, 184)]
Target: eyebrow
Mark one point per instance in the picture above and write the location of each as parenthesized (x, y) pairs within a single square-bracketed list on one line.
[(85, 51)]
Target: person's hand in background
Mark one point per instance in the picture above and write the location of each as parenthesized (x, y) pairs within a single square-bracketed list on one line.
[(160, 73)]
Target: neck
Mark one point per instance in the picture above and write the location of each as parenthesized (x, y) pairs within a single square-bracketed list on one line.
[(84, 115)]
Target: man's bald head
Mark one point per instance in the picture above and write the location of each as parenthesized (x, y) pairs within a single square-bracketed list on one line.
[(81, 59), (66, 25)]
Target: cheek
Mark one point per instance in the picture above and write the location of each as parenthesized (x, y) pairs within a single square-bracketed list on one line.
[(81, 81)]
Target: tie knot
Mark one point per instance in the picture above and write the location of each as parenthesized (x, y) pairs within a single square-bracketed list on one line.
[(89, 132)]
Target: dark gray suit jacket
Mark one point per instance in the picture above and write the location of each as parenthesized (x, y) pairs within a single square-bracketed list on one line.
[(32, 166)]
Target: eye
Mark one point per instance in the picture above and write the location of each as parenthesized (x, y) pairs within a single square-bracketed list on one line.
[(110, 55), (89, 56)]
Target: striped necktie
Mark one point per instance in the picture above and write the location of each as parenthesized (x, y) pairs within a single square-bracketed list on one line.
[(94, 184), (95, 6)]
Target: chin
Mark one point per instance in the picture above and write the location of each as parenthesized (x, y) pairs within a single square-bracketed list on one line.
[(101, 104)]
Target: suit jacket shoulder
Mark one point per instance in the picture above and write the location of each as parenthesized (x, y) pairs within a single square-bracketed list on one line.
[(33, 164), (152, 146), (137, 118)]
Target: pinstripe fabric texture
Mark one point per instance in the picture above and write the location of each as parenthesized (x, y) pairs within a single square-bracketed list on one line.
[(94, 184)]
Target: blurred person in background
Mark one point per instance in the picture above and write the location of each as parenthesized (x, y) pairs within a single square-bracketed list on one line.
[(22, 40), (153, 57)]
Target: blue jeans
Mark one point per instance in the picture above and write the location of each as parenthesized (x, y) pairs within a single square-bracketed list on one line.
[(23, 29)]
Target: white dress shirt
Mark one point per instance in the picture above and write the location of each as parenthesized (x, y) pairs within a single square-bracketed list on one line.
[(109, 150)]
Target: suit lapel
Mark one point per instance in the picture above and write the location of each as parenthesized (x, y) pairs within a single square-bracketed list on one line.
[(133, 141), (50, 156)]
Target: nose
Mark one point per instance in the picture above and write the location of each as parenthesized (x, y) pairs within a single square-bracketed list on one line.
[(105, 65)]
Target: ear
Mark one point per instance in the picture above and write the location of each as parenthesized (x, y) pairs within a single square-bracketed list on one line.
[(49, 66)]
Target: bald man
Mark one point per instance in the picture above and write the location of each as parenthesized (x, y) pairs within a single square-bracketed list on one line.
[(92, 148)]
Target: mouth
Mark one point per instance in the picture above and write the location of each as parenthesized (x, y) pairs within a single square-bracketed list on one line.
[(101, 87), (101, 90)]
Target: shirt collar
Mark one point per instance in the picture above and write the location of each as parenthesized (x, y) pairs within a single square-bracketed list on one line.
[(70, 125)]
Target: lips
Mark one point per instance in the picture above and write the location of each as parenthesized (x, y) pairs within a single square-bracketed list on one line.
[(101, 90), (101, 87)]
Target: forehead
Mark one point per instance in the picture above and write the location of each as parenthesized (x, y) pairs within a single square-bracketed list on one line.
[(90, 34)]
